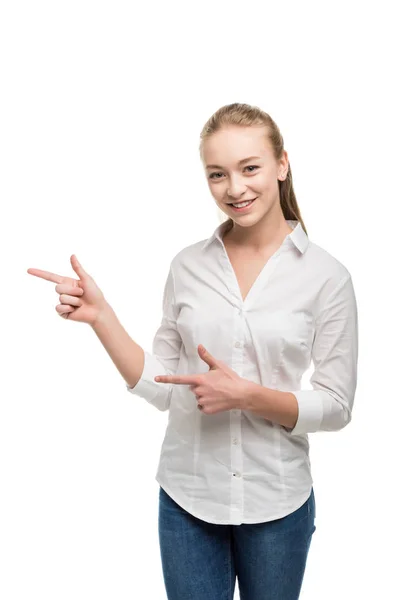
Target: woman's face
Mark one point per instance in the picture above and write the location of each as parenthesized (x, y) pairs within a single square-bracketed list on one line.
[(231, 178)]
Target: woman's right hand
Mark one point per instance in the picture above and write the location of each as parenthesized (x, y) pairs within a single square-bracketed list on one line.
[(81, 299)]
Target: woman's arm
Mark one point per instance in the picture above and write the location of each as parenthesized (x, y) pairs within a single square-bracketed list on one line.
[(164, 358), (126, 354), (328, 406)]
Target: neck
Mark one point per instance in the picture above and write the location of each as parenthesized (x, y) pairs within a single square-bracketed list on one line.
[(261, 237)]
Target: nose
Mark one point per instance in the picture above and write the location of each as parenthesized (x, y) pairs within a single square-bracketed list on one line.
[(236, 188)]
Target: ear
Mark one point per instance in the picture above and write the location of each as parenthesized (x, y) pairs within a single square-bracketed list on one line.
[(284, 164)]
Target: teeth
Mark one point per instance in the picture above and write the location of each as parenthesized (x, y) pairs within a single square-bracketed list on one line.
[(243, 204)]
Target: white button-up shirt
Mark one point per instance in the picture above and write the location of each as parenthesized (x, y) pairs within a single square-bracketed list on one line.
[(235, 466)]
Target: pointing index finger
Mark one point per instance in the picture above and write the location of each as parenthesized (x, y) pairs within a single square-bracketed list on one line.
[(46, 275)]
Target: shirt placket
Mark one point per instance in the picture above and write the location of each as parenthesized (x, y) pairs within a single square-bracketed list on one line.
[(237, 492), (238, 350)]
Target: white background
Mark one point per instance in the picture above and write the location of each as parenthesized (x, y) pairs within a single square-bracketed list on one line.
[(102, 104)]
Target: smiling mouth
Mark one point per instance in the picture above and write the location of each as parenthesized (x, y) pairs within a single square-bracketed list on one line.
[(232, 203)]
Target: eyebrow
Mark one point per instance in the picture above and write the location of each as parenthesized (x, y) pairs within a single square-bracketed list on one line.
[(240, 162)]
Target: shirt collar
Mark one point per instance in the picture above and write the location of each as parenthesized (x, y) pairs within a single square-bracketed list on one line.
[(298, 237)]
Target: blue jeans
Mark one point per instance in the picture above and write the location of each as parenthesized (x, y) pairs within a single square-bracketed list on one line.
[(201, 560)]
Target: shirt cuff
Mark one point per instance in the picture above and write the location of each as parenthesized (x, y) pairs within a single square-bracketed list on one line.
[(155, 393), (311, 412)]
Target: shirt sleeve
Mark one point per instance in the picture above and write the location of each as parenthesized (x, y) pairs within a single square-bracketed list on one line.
[(328, 406), (164, 358)]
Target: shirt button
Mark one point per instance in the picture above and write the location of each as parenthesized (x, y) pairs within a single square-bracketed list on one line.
[(238, 344)]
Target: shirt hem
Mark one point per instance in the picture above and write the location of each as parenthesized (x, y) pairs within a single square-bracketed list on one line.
[(261, 519)]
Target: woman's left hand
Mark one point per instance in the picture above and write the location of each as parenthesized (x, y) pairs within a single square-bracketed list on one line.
[(218, 390)]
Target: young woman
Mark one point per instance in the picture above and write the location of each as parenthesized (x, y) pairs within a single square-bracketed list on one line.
[(244, 313)]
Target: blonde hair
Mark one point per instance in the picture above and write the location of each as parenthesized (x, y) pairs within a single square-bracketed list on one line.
[(245, 115)]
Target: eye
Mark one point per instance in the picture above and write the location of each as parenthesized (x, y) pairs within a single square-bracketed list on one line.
[(212, 175)]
